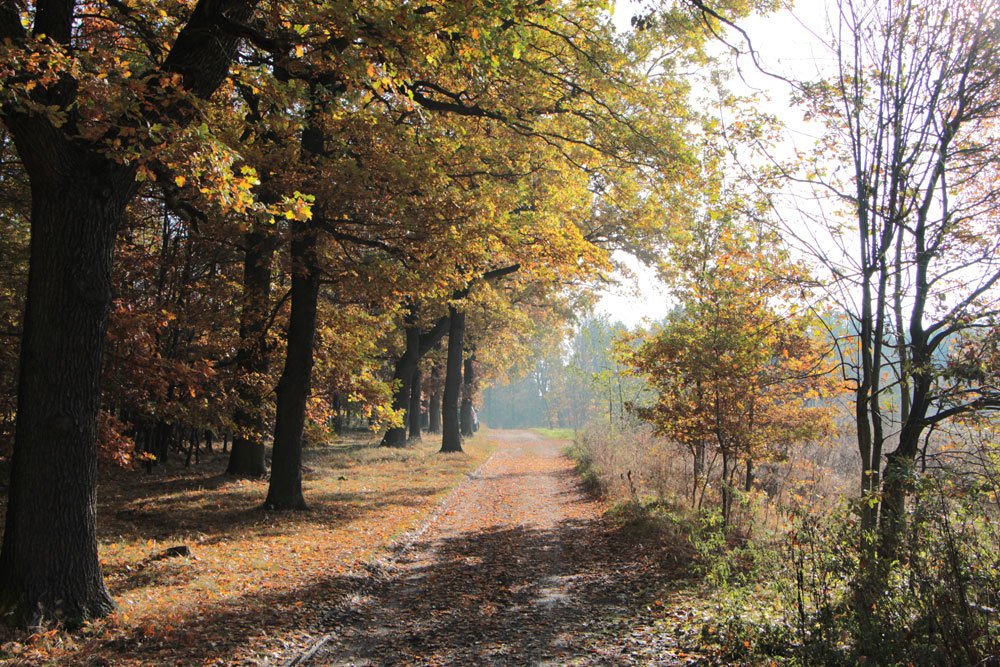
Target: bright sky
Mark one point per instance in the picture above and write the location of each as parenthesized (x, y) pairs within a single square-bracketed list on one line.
[(788, 42)]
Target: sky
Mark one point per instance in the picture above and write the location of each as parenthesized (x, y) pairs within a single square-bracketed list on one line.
[(789, 43)]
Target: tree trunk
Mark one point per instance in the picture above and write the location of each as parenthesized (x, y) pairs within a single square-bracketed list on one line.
[(727, 488), (465, 412), (451, 440), (403, 376), (285, 489), (247, 456), (48, 563), (413, 414), (434, 411), (698, 470)]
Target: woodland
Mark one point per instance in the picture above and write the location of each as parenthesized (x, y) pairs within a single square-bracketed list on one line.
[(267, 267)]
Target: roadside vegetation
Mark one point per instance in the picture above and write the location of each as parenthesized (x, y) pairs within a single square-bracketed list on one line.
[(777, 584)]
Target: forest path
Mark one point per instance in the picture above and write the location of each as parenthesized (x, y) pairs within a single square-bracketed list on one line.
[(516, 568)]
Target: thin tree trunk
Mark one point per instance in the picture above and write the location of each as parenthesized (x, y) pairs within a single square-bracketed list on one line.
[(338, 413), (451, 440), (698, 469), (465, 412), (727, 488), (285, 489), (413, 414), (247, 456)]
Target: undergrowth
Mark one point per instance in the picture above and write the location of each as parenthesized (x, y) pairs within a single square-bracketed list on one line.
[(787, 595)]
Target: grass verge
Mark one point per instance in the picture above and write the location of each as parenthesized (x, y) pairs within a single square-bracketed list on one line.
[(555, 433)]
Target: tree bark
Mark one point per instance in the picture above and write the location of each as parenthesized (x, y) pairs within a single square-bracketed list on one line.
[(434, 411), (247, 456), (451, 440), (727, 487), (49, 567), (465, 412), (285, 488), (402, 374), (413, 413)]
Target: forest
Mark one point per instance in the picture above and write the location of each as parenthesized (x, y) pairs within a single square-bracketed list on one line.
[(304, 357)]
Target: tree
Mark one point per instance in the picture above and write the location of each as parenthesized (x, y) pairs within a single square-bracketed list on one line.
[(68, 145), (911, 112), (739, 367)]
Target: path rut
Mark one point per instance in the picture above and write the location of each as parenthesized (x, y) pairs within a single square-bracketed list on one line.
[(516, 569)]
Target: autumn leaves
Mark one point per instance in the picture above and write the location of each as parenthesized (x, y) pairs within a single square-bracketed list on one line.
[(285, 183)]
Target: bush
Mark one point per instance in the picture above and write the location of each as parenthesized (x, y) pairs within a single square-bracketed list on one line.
[(940, 606), (629, 463)]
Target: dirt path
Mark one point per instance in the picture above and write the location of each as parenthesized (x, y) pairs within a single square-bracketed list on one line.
[(516, 569)]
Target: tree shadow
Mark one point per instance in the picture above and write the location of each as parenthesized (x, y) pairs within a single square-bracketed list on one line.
[(508, 596)]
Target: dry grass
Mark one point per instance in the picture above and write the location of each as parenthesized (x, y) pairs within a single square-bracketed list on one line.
[(255, 581)]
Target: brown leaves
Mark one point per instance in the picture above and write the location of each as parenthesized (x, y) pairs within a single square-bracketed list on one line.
[(254, 581)]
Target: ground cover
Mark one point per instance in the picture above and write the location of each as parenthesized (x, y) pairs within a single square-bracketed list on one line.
[(247, 592)]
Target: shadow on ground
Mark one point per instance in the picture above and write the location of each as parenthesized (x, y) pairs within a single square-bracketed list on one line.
[(513, 596)]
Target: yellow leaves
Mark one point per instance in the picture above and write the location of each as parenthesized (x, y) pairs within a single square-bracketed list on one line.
[(180, 181), (297, 207), (144, 173)]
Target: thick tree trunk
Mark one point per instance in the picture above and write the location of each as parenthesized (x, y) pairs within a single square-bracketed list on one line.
[(285, 489), (247, 456), (403, 377), (413, 413), (48, 563), (434, 411), (465, 412), (451, 439)]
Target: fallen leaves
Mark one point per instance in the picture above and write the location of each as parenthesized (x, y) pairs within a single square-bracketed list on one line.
[(250, 588)]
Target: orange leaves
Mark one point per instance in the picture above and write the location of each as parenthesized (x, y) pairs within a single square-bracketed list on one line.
[(298, 207), (738, 364), (253, 582)]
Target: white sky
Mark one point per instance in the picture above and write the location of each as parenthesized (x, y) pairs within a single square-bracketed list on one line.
[(789, 43)]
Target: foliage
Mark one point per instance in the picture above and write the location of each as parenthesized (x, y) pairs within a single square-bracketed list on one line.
[(739, 366)]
